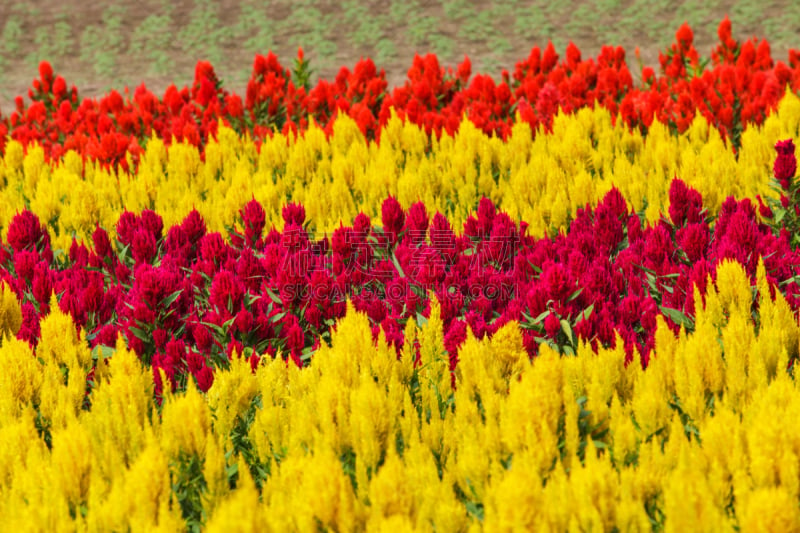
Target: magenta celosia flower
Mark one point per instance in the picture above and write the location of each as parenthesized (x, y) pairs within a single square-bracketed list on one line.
[(694, 239), (143, 246), (42, 283), (213, 248), (362, 225), (417, 222), (254, 220), (202, 337), (26, 233), (785, 166), (30, 329), (392, 217), (152, 222), (552, 325), (193, 226), (293, 213), (607, 229), (106, 335), (443, 238), (205, 378), (685, 204), (226, 292), (126, 226), (24, 264), (243, 322), (101, 243)]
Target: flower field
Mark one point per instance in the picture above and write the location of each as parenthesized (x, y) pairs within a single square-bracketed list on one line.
[(558, 300)]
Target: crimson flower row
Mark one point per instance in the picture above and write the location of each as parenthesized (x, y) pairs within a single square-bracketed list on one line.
[(186, 299)]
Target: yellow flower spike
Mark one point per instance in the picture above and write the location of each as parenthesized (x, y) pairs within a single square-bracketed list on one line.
[(10, 312), (390, 492), (733, 287), (122, 408), (308, 491), (231, 393), (769, 509), (509, 352), (434, 373), (178, 436), (19, 435), (738, 338), (60, 342), (215, 475), (650, 400), (596, 491), (140, 500), (686, 496), (624, 439), (370, 428), (72, 461), (21, 380), (240, 511)]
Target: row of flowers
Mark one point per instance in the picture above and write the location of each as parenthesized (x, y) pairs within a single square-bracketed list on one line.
[(542, 179), (365, 440), (739, 85), (186, 299)]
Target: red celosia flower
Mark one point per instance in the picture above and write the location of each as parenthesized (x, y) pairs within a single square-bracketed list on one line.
[(254, 220), (293, 213), (26, 233), (785, 164), (392, 217)]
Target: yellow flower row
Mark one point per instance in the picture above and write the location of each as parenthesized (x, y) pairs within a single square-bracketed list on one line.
[(704, 439), (541, 179)]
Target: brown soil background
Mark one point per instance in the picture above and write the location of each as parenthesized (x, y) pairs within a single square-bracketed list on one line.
[(336, 34)]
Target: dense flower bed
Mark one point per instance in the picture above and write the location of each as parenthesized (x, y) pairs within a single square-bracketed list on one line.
[(363, 439), (560, 301)]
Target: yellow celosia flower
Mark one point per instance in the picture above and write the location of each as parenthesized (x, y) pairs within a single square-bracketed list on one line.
[(177, 435), (10, 313)]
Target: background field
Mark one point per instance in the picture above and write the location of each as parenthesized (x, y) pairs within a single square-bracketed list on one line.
[(103, 44)]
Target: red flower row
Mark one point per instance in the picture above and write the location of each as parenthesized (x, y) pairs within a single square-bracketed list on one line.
[(740, 86)]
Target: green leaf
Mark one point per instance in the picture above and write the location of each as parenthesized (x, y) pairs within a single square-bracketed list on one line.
[(101, 352), (677, 316), (586, 313), (575, 294), (397, 266), (274, 297), (141, 334), (566, 327)]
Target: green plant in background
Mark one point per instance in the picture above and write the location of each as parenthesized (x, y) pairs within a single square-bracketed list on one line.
[(420, 26), (101, 44), (312, 29), (457, 10), (51, 42), (365, 29), (477, 28), (385, 51), (255, 32), (152, 40), (399, 10), (532, 24), (203, 36), (255, 29), (9, 43), (12, 36)]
